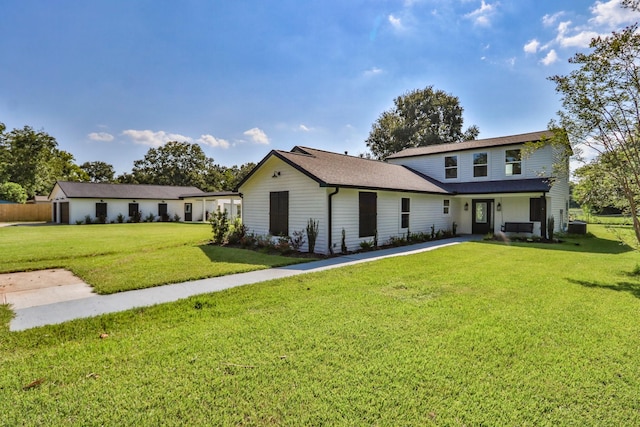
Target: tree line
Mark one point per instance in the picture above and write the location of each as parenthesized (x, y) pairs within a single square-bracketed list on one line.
[(31, 163)]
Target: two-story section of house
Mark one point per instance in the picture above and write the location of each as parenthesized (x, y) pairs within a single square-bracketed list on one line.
[(514, 183)]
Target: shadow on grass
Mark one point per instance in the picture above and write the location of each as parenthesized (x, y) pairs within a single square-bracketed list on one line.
[(246, 256), (632, 288), (594, 245)]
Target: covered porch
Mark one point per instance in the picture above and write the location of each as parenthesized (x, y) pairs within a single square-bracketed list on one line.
[(198, 207)]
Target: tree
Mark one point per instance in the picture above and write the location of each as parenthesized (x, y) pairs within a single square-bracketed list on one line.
[(12, 192), (232, 176), (99, 171), (420, 118), (596, 190), (176, 163), (31, 159), (601, 108)]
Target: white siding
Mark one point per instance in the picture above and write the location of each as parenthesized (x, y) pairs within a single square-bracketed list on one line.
[(80, 208), (306, 200), (536, 164), (425, 211)]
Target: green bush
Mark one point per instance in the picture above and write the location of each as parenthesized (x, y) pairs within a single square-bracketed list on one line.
[(312, 233), (219, 226)]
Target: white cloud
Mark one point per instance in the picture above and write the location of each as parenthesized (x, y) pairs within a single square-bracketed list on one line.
[(212, 141), (154, 139), (611, 15), (582, 38), (550, 20), (395, 22), (373, 72), (532, 46), (551, 57), (100, 136), (304, 128), (482, 16), (257, 135)]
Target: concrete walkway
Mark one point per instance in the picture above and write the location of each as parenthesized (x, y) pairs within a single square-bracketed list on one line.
[(94, 305)]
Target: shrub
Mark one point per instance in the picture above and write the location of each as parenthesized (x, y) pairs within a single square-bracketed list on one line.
[(551, 224), (454, 228), (343, 243), (176, 218), (367, 245), (219, 226), (237, 232), (284, 245), (297, 240), (102, 219), (120, 218), (150, 218), (137, 216), (87, 219), (312, 233), (433, 231)]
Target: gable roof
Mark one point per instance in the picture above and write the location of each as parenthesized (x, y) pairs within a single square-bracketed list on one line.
[(92, 190), (473, 145), (340, 170)]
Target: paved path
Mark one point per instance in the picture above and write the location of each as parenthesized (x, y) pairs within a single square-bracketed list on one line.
[(94, 305)]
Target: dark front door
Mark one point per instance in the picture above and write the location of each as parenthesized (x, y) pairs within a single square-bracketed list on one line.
[(162, 212), (64, 213), (482, 222), (188, 216)]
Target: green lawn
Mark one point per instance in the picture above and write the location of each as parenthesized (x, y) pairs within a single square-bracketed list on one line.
[(480, 333), (117, 257)]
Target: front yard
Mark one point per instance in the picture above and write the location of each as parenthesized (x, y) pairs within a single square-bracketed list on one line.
[(481, 333), (119, 257)]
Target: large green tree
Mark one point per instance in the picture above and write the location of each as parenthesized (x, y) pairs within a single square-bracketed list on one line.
[(175, 163), (596, 190), (32, 159), (601, 108), (12, 192), (420, 118), (99, 171)]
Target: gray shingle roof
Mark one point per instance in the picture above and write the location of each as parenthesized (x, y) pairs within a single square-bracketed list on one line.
[(473, 145), (125, 191), (333, 169)]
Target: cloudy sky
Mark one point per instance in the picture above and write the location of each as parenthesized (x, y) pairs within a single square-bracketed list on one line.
[(111, 78)]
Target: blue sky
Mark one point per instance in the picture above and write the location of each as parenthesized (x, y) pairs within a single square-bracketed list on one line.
[(111, 78)]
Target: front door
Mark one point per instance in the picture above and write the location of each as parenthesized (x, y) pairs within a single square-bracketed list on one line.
[(187, 212), (481, 222)]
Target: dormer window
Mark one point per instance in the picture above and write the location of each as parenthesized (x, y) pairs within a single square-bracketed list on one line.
[(480, 164), (451, 167), (513, 162)]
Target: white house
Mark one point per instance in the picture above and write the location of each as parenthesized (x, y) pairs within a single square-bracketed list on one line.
[(479, 187), (72, 202)]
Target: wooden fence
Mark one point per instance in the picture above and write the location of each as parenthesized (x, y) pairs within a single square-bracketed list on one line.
[(28, 212)]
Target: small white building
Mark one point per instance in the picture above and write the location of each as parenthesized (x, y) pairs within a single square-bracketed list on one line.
[(479, 187), (72, 202)]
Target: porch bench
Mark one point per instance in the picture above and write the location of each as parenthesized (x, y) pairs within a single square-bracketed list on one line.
[(517, 227)]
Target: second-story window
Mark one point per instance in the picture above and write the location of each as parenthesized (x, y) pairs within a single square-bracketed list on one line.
[(451, 167), (513, 162), (480, 164)]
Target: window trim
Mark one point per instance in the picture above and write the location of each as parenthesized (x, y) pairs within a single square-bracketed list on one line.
[(513, 163), (479, 166), (405, 210), (453, 168)]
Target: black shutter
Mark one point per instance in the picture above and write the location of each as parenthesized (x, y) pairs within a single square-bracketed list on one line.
[(368, 214), (279, 213)]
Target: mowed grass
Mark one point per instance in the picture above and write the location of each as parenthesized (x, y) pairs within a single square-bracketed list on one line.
[(479, 333), (119, 257)]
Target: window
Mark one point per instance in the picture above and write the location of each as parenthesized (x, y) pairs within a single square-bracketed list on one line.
[(513, 162), (451, 167), (480, 164), (446, 204), (133, 209), (368, 214), (279, 213), (101, 210), (406, 208), (535, 209)]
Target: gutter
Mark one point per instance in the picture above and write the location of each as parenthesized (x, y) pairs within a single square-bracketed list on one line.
[(329, 220)]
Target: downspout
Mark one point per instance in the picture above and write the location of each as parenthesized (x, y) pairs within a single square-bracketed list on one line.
[(241, 207), (329, 220)]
